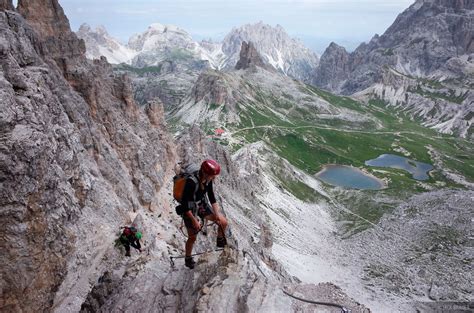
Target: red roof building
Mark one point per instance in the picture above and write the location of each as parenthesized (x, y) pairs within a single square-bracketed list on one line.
[(219, 131)]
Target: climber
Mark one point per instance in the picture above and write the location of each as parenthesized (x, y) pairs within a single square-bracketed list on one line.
[(194, 204), (130, 237)]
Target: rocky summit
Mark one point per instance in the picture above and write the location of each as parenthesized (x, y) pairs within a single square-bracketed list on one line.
[(423, 41), (249, 57), (276, 47), (100, 43)]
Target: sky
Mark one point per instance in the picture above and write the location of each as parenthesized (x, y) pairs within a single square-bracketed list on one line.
[(315, 22)]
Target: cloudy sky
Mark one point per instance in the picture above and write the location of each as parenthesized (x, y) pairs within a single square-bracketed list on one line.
[(316, 22)]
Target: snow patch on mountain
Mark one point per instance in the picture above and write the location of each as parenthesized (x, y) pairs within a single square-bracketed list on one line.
[(100, 43), (161, 37), (277, 63), (284, 53), (160, 42), (212, 52)]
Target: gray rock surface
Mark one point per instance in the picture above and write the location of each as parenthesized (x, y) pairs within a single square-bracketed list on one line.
[(249, 57), (429, 45), (6, 5), (171, 88), (243, 278), (333, 68), (409, 252), (79, 159), (77, 155), (99, 43)]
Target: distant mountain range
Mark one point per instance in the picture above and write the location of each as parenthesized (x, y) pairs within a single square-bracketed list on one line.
[(423, 64), (100, 43), (431, 39), (162, 42)]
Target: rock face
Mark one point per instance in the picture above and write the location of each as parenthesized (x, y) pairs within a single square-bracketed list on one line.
[(6, 5), (46, 17), (416, 252), (427, 52), (249, 57), (211, 88), (333, 67), (76, 153), (56, 38), (420, 42), (243, 278), (213, 96)]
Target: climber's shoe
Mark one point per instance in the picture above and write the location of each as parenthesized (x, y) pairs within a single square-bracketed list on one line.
[(221, 242), (189, 262)]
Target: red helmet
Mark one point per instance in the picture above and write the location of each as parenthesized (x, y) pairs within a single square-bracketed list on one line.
[(210, 167)]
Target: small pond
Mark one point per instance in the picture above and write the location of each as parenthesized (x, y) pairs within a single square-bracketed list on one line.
[(350, 177), (418, 170)]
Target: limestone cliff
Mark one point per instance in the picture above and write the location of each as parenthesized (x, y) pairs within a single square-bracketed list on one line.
[(333, 67), (249, 57), (6, 5), (76, 155)]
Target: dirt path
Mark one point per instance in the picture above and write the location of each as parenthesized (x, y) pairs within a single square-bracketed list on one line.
[(327, 128)]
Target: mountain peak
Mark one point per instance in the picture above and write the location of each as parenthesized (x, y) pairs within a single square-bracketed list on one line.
[(163, 28), (101, 30), (453, 4), (47, 18), (84, 28), (100, 43), (275, 47), (334, 46), (249, 57), (157, 26), (159, 36)]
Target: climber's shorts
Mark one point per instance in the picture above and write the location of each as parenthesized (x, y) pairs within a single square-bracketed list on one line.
[(202, 211)]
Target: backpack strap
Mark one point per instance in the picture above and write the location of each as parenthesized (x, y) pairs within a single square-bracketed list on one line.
[(193, 204)]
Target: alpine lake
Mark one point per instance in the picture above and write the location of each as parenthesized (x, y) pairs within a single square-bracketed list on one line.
[(352, 177)]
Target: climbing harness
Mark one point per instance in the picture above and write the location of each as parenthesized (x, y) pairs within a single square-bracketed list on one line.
[(183, 256), (203, 229)]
